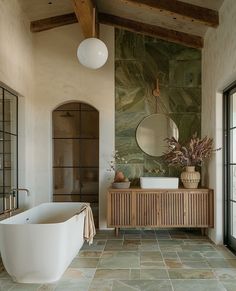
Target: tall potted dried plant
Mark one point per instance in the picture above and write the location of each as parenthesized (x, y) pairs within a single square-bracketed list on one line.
[(189, 155)]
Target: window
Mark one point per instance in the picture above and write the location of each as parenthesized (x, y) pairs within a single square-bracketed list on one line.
[(8, 144)]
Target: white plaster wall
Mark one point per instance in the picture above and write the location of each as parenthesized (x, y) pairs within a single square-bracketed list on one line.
[(60, 78), (218, 71), (16, 72)]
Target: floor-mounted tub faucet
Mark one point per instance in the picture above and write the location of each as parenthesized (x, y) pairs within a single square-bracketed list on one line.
[(12, 196), (13, 190)]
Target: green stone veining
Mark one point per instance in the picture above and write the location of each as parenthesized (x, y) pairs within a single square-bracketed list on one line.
[(139, 61)]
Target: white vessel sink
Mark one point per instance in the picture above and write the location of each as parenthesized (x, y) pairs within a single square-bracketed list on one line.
[(159, 182)]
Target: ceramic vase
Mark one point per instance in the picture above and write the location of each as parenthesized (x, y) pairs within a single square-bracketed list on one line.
[(190, 178)]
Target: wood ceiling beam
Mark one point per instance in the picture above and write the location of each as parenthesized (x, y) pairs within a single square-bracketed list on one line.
[(124, 23), (152, 30), (52, 22), (179, 10), (84, 10)]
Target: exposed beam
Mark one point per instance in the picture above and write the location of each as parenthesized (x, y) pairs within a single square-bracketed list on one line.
[(84, 12), (179, 10), (152, 30), (139, 27), (52, 22)]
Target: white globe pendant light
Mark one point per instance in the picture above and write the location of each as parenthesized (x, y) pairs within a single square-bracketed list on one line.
[(92, 53)]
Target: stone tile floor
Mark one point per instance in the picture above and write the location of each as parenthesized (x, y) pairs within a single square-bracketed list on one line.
[(148, 260)]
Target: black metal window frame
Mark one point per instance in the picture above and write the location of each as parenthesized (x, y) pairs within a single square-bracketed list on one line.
[(226, 161), (4, 193)]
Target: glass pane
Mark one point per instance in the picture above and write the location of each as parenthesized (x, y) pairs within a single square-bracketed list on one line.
[(1, 181), (90, 153), (66, 124), (233, 145), (89, 124), (90, 198), (10, 161), (69, 106), (233, 182), (1, 173), (1, 110), (10, 115), (66, 152), (87, 107), (66, 198), (10, 151), (1, 203), (89, 181), (1, 151), (66, 181), (233, 219), (233, 110)]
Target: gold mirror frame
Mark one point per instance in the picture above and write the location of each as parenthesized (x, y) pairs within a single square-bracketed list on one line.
[(152, 132)]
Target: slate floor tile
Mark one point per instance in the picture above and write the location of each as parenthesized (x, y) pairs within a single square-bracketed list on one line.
[(222, 263), (122, 274), (166, 260), (225, 274), (101, 285), (190, 256), (197, 285), (230, 285), (142, 285), (191, 274)]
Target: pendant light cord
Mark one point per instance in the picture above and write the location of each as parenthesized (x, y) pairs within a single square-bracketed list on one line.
[(94, 22)]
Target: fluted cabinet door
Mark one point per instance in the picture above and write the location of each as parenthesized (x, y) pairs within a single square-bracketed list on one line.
[(147, 209), (119, 211), (171, 209), (198, 209), (160, 208)]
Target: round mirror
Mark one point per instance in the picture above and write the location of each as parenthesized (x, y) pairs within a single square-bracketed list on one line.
[(152, 132)]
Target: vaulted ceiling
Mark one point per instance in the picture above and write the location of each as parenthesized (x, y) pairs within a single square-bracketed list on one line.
[(181, 21)]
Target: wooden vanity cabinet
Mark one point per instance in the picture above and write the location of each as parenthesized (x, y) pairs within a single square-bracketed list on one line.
[(160, 208)]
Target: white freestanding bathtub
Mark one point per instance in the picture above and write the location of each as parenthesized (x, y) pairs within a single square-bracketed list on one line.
[(38, 245)]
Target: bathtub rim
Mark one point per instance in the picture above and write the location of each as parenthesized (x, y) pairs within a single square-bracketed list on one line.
[(6, 220)]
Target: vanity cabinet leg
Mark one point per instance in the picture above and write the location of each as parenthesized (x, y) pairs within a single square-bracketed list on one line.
[(117, 231), (203, 231)]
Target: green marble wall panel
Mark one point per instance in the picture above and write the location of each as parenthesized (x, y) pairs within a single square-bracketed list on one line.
[(139, 61)]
